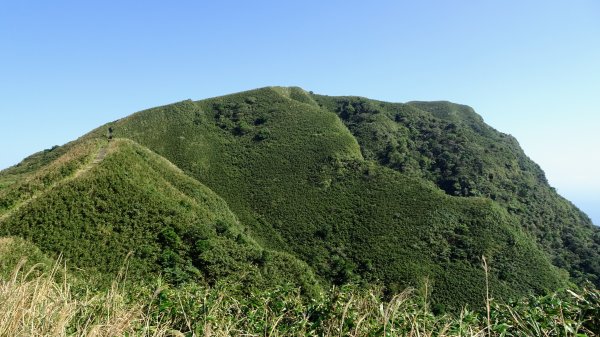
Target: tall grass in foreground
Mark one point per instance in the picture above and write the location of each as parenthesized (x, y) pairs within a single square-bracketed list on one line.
[(42, 305), (351, 311), (34, 304)]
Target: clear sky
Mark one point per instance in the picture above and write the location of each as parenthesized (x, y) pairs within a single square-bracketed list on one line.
[(530, 68)]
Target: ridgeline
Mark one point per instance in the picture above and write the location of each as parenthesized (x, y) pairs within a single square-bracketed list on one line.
[(280, 186)]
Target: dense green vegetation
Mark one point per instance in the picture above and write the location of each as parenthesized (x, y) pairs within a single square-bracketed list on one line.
[(306, 189), (34, 302), (134, 202), (450, 145), (277, 185)]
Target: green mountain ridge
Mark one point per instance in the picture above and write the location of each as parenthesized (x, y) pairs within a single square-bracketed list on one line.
[(278, 185), (450, 145), (129, 200)]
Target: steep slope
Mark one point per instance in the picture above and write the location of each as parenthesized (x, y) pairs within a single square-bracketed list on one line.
[(450, 145), (294, 174), (101, 201), (15, 251)]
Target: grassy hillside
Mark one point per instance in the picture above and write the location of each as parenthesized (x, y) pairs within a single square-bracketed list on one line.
[(101, 201), (37, 301), (450, 145), (296, 176), (276, 186)]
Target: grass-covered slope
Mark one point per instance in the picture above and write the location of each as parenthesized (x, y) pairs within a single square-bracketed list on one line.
[(37, 303), (101, 201), (450, 145), (295, 175)]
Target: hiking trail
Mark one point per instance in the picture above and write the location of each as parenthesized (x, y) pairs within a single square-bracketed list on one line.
[(98, 158)]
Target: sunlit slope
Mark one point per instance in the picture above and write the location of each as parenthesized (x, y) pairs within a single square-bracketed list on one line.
[(101, 201), (259, 139), (293, 172), (451, 146)]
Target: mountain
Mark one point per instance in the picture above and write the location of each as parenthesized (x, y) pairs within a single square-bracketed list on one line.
[(280, 185), (450, 145), (96, 201)]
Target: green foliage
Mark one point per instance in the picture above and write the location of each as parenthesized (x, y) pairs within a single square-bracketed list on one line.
[(450, 145), (277, 185), (15, 251), (41, 172), (564, 313), (352, 311), (38, 302), (306, 190), (135, 203)]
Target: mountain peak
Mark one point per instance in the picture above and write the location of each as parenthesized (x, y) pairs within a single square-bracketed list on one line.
[(278, 184)]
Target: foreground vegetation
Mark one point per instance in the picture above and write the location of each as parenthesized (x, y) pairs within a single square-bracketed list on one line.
[(296, 178), (43, 303), (277, 185)]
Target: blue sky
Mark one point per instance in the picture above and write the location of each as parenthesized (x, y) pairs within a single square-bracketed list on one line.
[(530, 68)]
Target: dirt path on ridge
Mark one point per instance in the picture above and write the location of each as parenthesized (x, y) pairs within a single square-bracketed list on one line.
[(85, 168)]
